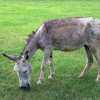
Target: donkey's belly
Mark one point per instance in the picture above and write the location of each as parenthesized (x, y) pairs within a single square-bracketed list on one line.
[(67, 48)]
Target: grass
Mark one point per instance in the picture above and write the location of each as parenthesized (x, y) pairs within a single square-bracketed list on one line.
[(18, 18)]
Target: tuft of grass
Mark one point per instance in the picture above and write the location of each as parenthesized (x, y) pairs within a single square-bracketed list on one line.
[(17, 20)]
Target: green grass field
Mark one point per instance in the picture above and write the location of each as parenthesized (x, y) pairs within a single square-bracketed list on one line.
[(18, 18)]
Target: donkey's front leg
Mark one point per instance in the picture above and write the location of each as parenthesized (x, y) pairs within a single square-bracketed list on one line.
[(52, 72), (43, 65)]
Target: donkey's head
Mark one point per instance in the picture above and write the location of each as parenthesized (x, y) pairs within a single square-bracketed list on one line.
[(23, 69)]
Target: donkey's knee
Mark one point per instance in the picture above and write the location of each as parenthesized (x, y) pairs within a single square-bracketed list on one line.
[(90, 62), (43, 68)]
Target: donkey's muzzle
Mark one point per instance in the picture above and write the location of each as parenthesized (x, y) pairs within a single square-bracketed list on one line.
[(26, 86)]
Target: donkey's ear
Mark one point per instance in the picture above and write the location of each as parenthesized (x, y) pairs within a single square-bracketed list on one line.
[(26, 55), (13, 58)]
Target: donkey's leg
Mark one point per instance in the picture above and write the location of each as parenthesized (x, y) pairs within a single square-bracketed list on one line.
[(97, 56), (96, 52), (89, 61), (43, 65), (52, 72)]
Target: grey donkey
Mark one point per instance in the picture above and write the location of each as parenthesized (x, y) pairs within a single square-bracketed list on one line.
[(66, 34)]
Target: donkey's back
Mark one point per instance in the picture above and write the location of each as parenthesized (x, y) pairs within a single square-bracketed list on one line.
[(70, 33)]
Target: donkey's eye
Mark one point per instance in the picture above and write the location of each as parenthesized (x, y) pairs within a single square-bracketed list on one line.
[(25, 72)]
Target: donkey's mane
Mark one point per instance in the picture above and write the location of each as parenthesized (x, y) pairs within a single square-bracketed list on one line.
[(28, 40), (30, 37)]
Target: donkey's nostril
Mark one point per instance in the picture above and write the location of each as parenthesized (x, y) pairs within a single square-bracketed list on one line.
[(27, 86), (23, 87)]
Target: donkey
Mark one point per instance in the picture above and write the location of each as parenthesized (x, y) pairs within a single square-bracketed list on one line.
[(66, 34)]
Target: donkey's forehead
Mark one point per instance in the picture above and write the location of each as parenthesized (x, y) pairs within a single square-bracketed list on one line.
[(21, 57), (19, 68)]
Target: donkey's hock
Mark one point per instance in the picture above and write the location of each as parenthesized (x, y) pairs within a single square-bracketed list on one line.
[(66, 34)]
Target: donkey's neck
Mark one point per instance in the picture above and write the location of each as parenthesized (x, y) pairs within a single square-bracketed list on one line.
[(33, 41), (31, 47)]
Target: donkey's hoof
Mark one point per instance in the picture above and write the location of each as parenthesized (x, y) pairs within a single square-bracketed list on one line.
[(50, 77), (97, 80), (40, 82), (80, 76)]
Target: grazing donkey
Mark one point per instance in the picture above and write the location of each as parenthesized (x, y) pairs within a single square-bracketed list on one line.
[(66, 34)]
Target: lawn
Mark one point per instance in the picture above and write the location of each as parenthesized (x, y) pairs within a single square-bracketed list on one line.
[(18, 18)]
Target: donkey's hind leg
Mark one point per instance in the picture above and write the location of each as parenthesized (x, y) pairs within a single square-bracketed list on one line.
[(97, 56), (52, 72), (89, 61)]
